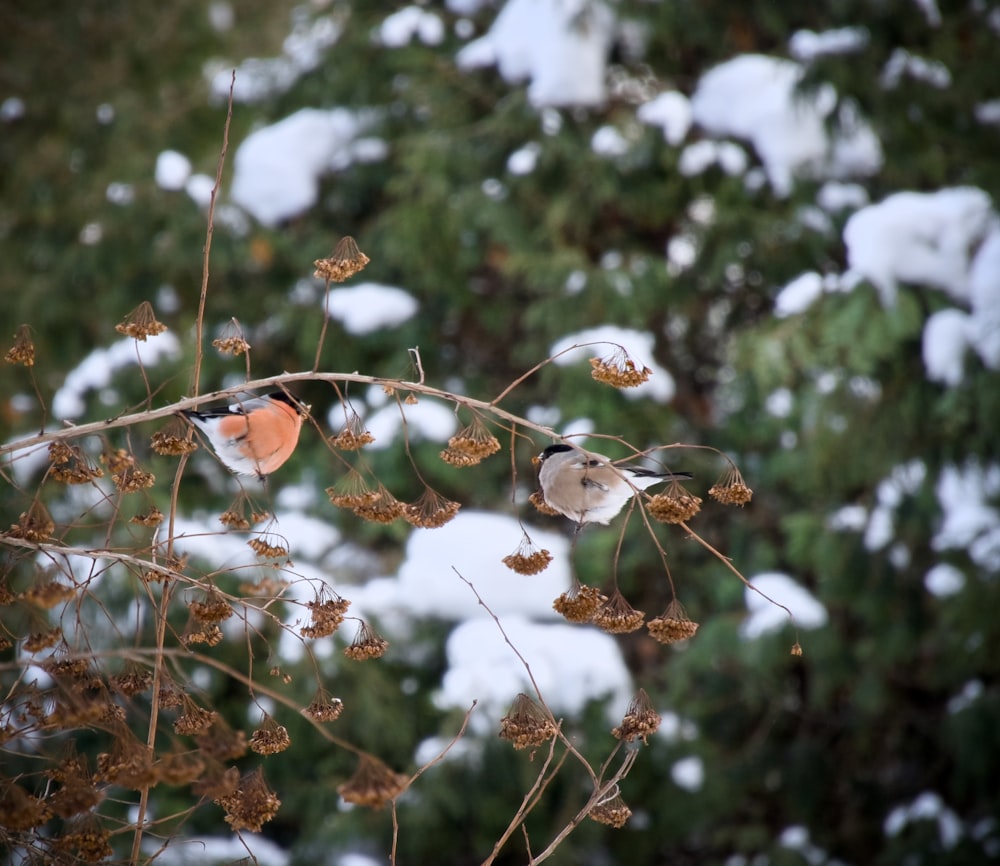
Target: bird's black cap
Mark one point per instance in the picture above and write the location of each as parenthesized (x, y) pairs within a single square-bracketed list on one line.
[(555, 449)]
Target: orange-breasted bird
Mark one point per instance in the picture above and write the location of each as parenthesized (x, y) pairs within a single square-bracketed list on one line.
[(254, 436)]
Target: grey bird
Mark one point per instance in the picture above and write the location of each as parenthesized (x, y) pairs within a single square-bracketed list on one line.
[(590, 488)]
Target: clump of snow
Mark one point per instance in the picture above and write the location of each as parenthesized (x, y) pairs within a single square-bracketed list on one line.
[(523, 160), (671, 111), (199, 189), (798, 295), (755, 97), (571, 666), (927, 806), (764, 616), (95, 371), (806, 45), (943, 580), (688, 773), (608, 141), (370, 307), (172, 170), (428, 419), (560, 46), (400, 28), (258, 79), (11, 109), (700, 156), (638, 344), (835, 196), (945, 341), (278, 168), (901, 62), (474, 544), (987, 113), (969, 523)]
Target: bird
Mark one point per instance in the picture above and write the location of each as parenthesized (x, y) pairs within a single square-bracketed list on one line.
[(590, 488), (254, 436)]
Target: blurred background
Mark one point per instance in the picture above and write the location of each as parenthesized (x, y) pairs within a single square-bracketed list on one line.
[(786, 210)]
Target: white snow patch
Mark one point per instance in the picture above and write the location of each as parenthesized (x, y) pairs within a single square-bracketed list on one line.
[(400, 28), (806, 45), (427, 419), (945, 341), (968, 522), (902, 63), (172, 170), (523, 160), (608, 141), (220, 849), (765, 617), (688, 773), (370, 307), (943, 580), (671, 111), (798, 295), (927, 806)]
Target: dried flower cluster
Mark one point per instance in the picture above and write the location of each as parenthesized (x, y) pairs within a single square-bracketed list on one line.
[(383, 507), (23, 350), (193, 719), (579, 603), (251, 805), (527, 724), (373, 784), (672, 625), (619, 370), (70, 466), (266, 549), (731, 489), (617, 616), (327, 613), (221, 743), (270, 738), (231, 340), (527, 559), (353, 436), (141, 323), (35, 524), (151, 518), (345, 261), (367, 644), (132, 680), (640, 719), (538, 500), (48, 593), (132, 479), (471, 445), (324, 708), (173, 440), (430, 511), (674, 505), (211, 607), (611, 811)]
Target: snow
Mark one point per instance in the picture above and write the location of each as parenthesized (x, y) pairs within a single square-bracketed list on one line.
[(835, 196), (807, 45), (671, 111), (779, 403), (96, 370), (927, 806), (608, 141), (172, 170), (968, 522), (901, 63), (688, 773), (700, 156), (400, 28), (559, 46), (570, 664), (219, 849), (12, 108), (474, 543), (428, 419), (798, 295), (639, 346), (944, 580), (765, 617), (755, 97), (370, 307), (278, 168), (523, 160), (945, 341)]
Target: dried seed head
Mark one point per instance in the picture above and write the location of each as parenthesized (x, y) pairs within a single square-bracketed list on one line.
[(211, 607), (579, 603), (132, 680), (353, 436), (527, 724), (20, 811), (373, 784), (411, 399), (527, 559), (640, 719), (367, 644), (674, 505), (461, 459), (672, 625), (351, 491), (251, 805), (153, 517), (169, 694), (35, 524), (202, 633), (731, 489), (270, 738), (327, 613), (384, 508), (430, 511), (70, 465), (538, 500), (611, 811), (221, 743), (141, 323), (180, 768), (129, 763), (23, 350), (796, 649), (617, 616), (132, 479), (173, 439), (267, 587), (48, 593), (231, 340), (345, 261), (619, 370), (40, 640), (75, 797), (216, 781), (193, 719), (268, 546), (324, 708), (475, 441), (87, 838)]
